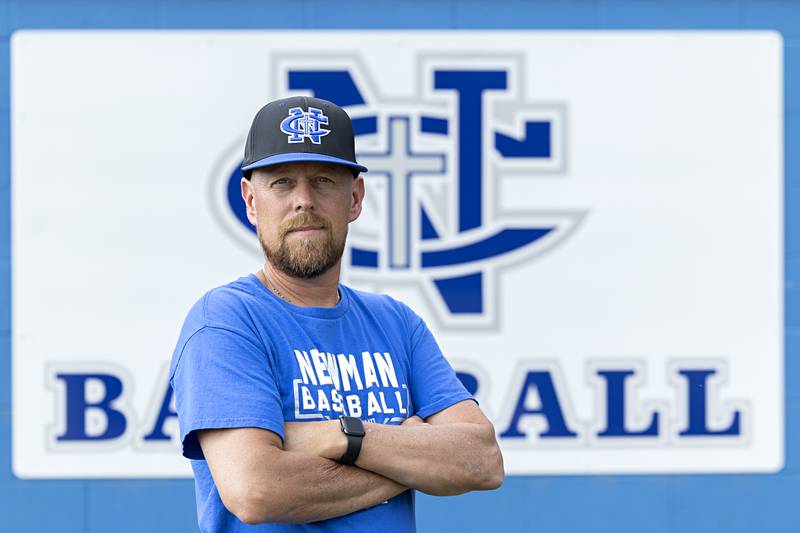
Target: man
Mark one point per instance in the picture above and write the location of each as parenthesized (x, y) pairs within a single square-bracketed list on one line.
[(305, 404)]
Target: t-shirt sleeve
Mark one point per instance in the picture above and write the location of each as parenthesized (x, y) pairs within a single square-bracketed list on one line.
[(434, 384), (223, 379)]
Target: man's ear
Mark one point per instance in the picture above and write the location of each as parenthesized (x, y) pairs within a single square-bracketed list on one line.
[(249, 200), (357, 198)]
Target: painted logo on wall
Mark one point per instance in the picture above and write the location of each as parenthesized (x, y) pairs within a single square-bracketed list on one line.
[(436, 160)]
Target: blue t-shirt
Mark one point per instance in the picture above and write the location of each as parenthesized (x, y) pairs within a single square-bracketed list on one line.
[(246, 358)]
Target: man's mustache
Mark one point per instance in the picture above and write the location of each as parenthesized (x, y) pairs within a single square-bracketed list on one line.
[(304, 220)]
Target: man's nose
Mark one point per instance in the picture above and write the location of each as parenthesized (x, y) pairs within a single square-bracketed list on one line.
[(303, 196)]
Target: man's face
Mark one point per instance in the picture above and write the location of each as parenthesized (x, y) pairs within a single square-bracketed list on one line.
[(301, 212)]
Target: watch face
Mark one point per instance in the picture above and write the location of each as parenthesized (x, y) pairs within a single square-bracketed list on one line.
[(352, 426)]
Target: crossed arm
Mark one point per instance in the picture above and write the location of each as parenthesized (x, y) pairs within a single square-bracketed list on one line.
[(261, 479)]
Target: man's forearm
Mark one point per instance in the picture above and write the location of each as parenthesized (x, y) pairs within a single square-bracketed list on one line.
[(456, 452), (261, 482), (313, 488), (437, 459)]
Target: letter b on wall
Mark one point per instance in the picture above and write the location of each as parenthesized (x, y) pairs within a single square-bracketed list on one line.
[(79, 407)]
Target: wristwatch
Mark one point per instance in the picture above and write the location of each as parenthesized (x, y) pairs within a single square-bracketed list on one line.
[(353, 428)]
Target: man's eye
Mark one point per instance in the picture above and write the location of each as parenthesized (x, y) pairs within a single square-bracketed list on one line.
[(323, 179), (281, 181)]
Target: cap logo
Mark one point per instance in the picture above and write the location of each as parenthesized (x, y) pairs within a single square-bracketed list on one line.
[(301, 124)]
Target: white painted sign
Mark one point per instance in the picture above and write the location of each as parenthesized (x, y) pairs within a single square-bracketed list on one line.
[(590, 222)]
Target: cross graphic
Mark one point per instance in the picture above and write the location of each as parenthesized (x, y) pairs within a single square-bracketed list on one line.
[(399, 164)]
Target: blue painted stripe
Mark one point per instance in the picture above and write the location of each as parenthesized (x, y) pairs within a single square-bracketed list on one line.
[(462, 294), (364, 258), (434, 125), (500, 243), (535, 144), (428, 230), (336, 86), (365, 125)]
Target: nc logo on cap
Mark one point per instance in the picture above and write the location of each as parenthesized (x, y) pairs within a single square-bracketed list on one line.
[(301, 124)]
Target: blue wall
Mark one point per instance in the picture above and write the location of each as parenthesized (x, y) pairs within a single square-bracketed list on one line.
[(731, 503)]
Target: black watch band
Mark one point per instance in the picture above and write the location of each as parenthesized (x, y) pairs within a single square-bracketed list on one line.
[(353, 428)]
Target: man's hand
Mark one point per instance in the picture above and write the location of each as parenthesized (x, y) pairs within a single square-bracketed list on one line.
[(413, 421), (322, 439)]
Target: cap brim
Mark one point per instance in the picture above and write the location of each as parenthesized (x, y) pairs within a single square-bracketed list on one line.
[(300, 157)]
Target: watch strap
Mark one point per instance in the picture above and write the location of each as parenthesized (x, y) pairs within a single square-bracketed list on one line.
[(353, 429), (353, 449)]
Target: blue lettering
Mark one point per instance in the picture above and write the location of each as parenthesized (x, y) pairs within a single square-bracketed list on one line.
[(697, 405), (77, 406), (615, 407), (470, 381), (470, 86), (166, 411), (550, 408)]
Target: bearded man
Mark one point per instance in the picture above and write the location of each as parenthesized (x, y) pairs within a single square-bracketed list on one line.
[(302, 403)]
